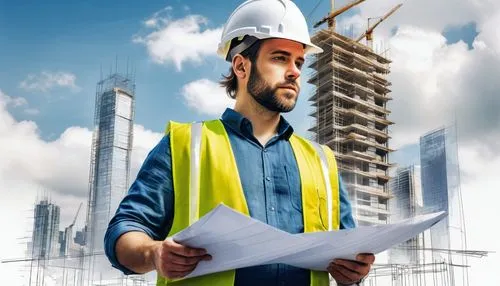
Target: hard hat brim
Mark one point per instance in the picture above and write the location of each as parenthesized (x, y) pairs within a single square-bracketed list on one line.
[(313, 49), (310, 48)]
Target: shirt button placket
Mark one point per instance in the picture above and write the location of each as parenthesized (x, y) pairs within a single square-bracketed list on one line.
[(267, 184)]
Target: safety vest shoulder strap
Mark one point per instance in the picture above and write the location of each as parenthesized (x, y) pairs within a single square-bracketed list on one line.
[(328, 173)]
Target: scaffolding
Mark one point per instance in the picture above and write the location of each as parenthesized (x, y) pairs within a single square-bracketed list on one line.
[(45, 237), (44, 241), (350, 117), (109, 166)]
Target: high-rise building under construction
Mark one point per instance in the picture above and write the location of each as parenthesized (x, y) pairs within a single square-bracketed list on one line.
[(351, 117), (110, 165)]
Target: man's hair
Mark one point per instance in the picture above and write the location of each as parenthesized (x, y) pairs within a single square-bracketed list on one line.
[(230, 81)]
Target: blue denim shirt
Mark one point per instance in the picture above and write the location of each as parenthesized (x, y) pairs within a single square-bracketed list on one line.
[(271, 183)]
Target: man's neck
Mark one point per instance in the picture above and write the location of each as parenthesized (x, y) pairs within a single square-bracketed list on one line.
[(264, 122)]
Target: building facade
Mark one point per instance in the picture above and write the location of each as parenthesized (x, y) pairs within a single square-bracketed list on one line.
[(441, 192), (45, 239)]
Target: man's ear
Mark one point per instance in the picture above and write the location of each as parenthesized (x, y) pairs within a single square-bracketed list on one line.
[(240, 66)]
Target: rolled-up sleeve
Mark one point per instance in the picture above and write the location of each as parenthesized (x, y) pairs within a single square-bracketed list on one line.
[(149, 204), (346, 218)]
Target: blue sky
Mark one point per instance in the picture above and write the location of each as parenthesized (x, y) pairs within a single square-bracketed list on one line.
[(82, 36)]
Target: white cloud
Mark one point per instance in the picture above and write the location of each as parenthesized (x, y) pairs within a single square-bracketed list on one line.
[(46, 81), (62, 165), (144, 141), (30, 165), (489, 38), (158, 18), (480, 198), (16, 102), (352, 27), (435, 83), (423, 74), (178, 40), (206, 97)]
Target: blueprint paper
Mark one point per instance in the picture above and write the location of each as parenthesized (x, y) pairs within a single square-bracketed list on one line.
[(236, 241), (346, 244)]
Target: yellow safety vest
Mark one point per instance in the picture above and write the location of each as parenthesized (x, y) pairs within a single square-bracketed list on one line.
[(205, 146)]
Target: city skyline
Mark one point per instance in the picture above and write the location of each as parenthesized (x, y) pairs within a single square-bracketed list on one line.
[(47, 93)]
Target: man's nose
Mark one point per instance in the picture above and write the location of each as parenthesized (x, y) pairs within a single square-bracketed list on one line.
[(293, 72)]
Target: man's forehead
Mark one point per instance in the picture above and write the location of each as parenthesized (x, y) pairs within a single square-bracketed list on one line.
[(290, 46)]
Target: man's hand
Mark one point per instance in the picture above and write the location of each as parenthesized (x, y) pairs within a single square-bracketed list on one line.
[(351, 271), (173, 260)]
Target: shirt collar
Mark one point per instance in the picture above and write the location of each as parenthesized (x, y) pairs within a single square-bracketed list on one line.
[(242, 125)]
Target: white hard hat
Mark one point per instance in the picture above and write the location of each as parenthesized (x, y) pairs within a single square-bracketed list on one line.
[(265, 19)]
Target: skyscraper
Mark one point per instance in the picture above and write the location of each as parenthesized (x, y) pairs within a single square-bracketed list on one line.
[(45, 240), (110, 162), (406, 203), (441, 192)]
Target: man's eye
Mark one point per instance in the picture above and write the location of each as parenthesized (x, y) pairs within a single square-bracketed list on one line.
[(280, 58), (299, 65)]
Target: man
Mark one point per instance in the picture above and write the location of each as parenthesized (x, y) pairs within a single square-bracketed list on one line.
[(250, 160)]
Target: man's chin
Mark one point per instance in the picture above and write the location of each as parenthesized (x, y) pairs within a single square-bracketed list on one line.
[(287, 107)]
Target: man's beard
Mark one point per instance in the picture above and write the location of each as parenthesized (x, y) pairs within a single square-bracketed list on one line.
[(266, 95)]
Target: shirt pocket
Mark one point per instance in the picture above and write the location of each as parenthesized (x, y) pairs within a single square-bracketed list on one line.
[(294, 191)]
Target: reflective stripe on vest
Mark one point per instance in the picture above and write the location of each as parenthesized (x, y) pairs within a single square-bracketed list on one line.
[(194, 190), (204, 146), (326, 178)]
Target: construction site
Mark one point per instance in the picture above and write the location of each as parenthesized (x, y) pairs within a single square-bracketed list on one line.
[(351, 115)]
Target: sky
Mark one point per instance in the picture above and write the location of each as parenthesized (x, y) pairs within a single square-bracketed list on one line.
[(446, 61)]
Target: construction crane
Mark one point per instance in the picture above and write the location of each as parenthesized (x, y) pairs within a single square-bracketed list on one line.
[(369, 33), (77, 212), (68, 233), (331, 17)]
